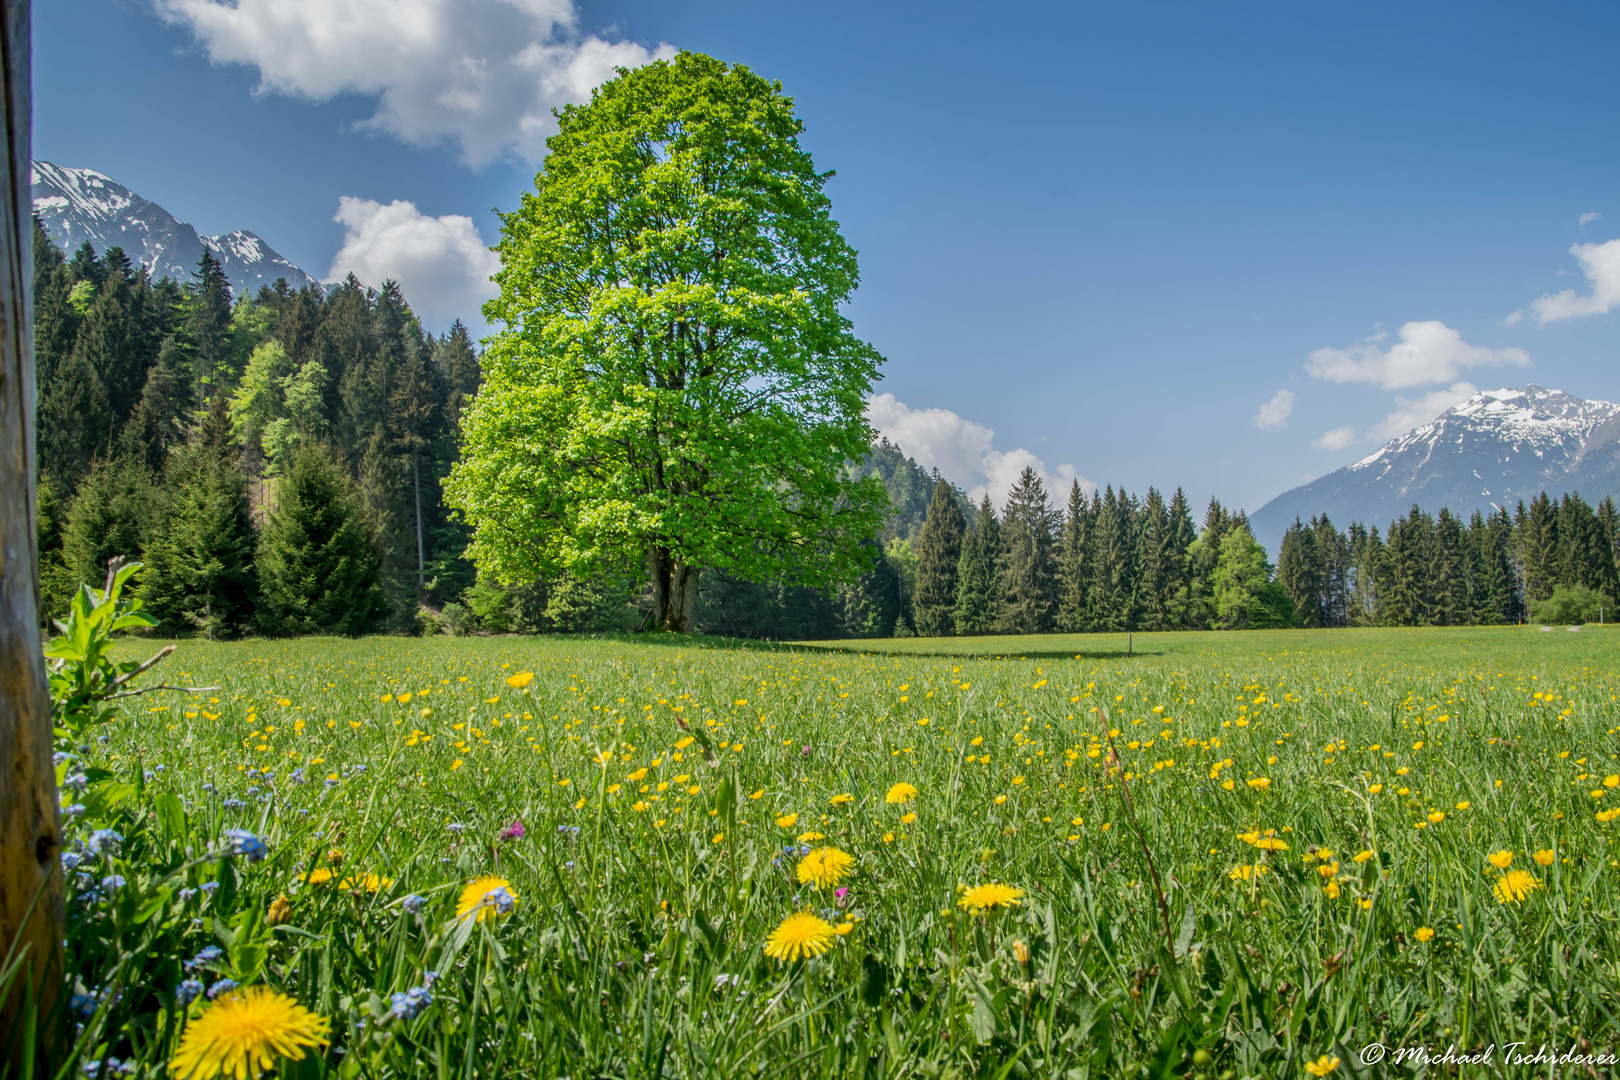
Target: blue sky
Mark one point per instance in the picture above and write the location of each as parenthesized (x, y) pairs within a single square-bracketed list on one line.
[(1139, 244)]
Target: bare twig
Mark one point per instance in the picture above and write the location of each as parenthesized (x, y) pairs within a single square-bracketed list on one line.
[(160, 686), (144, 667)]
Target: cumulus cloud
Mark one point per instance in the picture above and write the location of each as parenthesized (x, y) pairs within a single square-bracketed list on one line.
[(441, 263), (1428, 352), (963, 451), (1589, 217), (1274, 413), (1337, 439), (1601, 265), (1409, 414), (484, 74)]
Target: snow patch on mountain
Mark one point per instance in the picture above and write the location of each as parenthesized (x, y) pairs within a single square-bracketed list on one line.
[(1490, 451), (76, 206)]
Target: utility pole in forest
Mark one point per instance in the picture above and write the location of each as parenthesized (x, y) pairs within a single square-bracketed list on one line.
[(31, 918)]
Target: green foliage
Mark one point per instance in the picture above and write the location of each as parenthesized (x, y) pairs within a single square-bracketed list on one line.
[(200, 573), (1246, 598), (317, 561), (112, 517), (939, 550), (83, 672), (676, 385), (1572, 605), (1026, 572), (977, 570)]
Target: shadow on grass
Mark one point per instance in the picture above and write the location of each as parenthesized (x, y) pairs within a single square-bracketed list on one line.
[(861, 645)]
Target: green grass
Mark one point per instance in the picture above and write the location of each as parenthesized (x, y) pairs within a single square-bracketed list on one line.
[(636, 945)]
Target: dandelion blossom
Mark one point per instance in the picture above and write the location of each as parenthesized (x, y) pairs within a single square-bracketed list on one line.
[(825, 866), (900, 793), (787, 821), (242, 1034), (1544, 857), (1322, 1065), (989, 897), (1515, 885), (1500, 859), (487, 897), (801, 935), (520, 680)]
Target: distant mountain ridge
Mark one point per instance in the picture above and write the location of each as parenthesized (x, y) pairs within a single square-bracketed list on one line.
[(1492, 450), (76, 205)]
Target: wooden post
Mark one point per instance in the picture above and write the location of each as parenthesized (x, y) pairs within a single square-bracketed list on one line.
[(30, 847)]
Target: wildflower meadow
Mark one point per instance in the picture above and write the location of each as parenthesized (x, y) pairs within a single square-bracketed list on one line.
[(1214, 856)]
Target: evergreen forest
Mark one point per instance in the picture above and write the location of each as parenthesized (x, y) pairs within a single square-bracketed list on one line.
[(276, 461)]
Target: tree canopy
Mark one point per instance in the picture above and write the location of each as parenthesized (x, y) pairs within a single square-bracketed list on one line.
[(675, 381)]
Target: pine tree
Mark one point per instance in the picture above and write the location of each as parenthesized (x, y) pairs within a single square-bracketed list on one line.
[(159, 421), (1448, 570), (1113, 584), (1026, 594), (1333, 555), (112, 515), (199, 572), (1074, 565), (208, 326), (1405, 599), (1538, 548), (976, 584), (1299, 572), (317, 560), (939, 551), (56, 584), (1154, 588), (1178, 561)]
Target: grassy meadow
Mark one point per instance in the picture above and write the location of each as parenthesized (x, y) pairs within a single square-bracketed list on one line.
[(1228, 855)]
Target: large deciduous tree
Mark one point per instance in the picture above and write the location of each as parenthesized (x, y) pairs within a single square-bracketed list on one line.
[(675, 381)]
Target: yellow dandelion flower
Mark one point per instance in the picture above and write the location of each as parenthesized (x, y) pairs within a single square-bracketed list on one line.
[(841, 800), (989, 897), (280, 911), (1545, 856), (787, 821), (520, 680), (800, 935), (319, 877), (1608, 815), (1363, 856), (1500, 859), (907, 819), (1332, 890), (1322, 1065), (843, 928), (1437, 816), (810, 837), (368, 883), (486, 897), (888, 838), (638, 806), (825, 867), (1515, 885), (1423, 933), (242, 1034), (900, 793)]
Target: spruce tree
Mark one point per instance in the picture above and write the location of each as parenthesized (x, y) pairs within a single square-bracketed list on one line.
[(208, 326), (1448, 570), (1299, 573), (1154, 589), (1074, 566), (112, 515), (976, 584), (199, 559), (1114, 597), (1178, 561), (1538, 548), (317, 561), (939, 551), (1026, 593)]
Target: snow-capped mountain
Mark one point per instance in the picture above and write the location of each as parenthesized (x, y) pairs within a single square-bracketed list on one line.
[(1492, 450), (75, 205)]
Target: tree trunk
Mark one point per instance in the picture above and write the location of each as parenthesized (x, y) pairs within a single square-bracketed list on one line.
[(31, 918), (675, 590)]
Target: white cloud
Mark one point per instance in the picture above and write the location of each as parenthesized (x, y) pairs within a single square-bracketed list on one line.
[(483, 73), (1411, 414), (963, 451), (441, 263), (1337, 439), (1589, 217), (1274, 413), (1428, 352), (1601, 265)]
